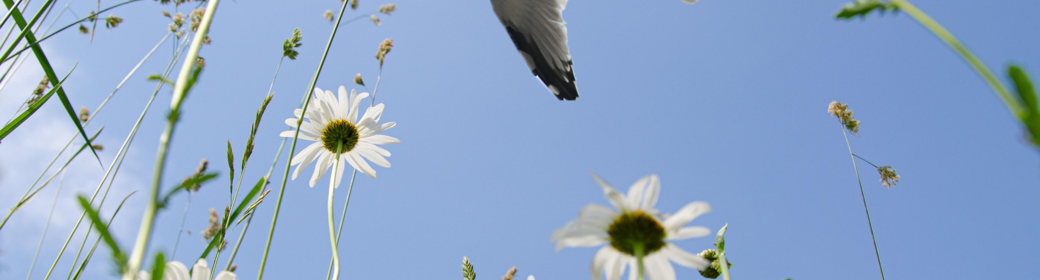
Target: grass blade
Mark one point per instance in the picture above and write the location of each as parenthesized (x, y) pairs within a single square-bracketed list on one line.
[(117, 254), (17, 121), (91, 253)]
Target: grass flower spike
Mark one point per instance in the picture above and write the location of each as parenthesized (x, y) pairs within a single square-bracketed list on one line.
[(177, 271), (334, 123), (637, 237)]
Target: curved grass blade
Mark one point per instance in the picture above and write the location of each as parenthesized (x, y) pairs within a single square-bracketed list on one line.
[(46, 65), (117, 254), (86, 259), (17, 121)]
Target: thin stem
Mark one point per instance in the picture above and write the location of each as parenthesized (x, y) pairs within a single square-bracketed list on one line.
[(638, 247), (292, 148), (864, 196), (180, 231), (179, 92), (342, 216), (724, 265), (332, 233), (865, 160), (50, 215), (949, 39), (374, 91)]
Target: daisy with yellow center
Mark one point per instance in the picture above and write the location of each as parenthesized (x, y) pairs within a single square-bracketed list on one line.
[(337, 129), (637, 238)]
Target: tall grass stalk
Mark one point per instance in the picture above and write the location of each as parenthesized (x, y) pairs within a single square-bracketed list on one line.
[(292, 149), (864, 196), (179, 92), (113, 168)]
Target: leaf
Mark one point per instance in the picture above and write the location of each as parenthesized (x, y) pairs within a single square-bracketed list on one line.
[(117, 254), (91, 253), (17, 121), (160, 266), (213, 243), (1024, 87), (191, 181), (860, 8), (160, 78), (30, 39)]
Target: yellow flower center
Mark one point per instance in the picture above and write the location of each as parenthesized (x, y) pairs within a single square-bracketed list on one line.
[(637, 229), (339, 134)]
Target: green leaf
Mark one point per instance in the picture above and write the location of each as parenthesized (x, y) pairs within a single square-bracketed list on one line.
[(117, 254), (860, 8), (191, 181), (1024, 86), (47, 69), (238, 210), (160, 78), (160, 266), (17, 121), (91, 253)]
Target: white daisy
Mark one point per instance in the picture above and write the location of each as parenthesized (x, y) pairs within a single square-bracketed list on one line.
[(334, 124), (177, 271), (634, 229)]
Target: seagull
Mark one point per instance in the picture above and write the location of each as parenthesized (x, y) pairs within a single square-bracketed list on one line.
[(536, 27)]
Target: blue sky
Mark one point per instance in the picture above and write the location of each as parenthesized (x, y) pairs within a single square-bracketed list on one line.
[(724, 100)]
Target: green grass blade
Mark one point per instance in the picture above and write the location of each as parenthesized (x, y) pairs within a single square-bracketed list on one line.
[(17, 121), (86, 259), (238, 210), (117, 254), (159, 267), (46, 65), (861, 8)]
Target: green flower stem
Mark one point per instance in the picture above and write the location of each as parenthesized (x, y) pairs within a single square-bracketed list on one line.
[(865, 160), (720, 243), (864, 196), (115, 165), (332, 233), (292, 148), (949, 39), (179, 92), (342, 216), (638, 248)]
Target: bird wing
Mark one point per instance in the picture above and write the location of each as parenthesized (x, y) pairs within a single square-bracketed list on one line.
[(537, 29)]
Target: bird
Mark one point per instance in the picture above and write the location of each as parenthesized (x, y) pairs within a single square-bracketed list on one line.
[(537, 29)]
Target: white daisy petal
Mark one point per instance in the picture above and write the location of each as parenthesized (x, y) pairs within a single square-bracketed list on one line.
[(303, 135), (381, 140), (339, 171), (305, 157), (633, 269), (683, 258), (658, 268), (355, 103), (616, 265), (688, 232), (175, 270), (324, 161), (615, 198), (653, 189), (226, 275), (362, 165), (200, 271), (344, 102), (580, 241), (575, 229), (599, 262), (685, 215), (635, 193), (597, 215), (143, 275), (372, 156)]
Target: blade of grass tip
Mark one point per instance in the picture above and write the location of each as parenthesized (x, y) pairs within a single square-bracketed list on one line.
[(947, 37), (43, 235), (231, 173), (158, 267), (25, 200), (17, 121), (864, 196), (292, 149), (213, 243), (11, 30), (70, 25), (114, 167), (86, 260), (45, 64), (101, 227), (179, 92)]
